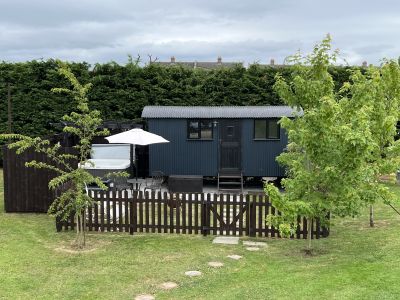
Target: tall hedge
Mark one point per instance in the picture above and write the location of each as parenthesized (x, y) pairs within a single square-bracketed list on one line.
[(121, 91)]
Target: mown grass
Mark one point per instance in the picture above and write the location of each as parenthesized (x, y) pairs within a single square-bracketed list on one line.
[(355, 262)]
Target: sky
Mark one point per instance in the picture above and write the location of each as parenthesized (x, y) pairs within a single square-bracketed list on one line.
[(245, 31)]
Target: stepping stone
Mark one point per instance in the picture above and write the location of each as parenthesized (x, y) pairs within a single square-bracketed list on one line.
[(252, 248), (169, 285), (145, 297), (193, 273), (235, 257), (226, 240), (255, 244), (215, 264)]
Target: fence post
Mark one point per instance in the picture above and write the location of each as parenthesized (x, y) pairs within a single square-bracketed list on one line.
[(58, 224), (252, 222), (132, 219), (204, 216), (318, 228), (325, 228), (247, 214)]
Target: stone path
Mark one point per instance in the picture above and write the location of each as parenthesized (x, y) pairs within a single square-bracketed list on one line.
[(226, 240), (255, 244), (145, 297), (193, 273), (252, 249), (215, 264), (169, 285), (234, 256)]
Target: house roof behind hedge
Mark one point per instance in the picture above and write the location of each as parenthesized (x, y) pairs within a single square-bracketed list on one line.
[(218, 112)]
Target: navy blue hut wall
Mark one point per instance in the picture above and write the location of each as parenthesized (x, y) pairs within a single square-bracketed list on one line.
[(259, 157), (181, 156), (200, 157)]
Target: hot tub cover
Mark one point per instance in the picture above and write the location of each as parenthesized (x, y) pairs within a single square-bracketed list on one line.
[(108, 164)]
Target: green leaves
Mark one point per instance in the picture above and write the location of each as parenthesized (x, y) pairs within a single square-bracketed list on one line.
[(71, 180), (344, 141)]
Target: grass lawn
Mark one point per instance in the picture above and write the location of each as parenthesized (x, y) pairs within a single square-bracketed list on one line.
[(355, 262)]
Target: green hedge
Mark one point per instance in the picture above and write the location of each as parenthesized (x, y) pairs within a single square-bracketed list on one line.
[(121, 91)]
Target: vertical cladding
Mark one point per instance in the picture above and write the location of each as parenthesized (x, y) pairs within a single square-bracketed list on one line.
[(181, 156), (259, 157), (190, 157)]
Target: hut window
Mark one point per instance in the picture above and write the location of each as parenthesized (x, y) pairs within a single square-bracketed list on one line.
[(200, 129), (193, 129), (266, 129), (206, 129)]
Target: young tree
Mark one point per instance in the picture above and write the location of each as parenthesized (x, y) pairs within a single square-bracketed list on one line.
[(335, 149), (379, 89), (84, 124)]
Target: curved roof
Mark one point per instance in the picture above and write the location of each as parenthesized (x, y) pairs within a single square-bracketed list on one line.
[(218, 112)]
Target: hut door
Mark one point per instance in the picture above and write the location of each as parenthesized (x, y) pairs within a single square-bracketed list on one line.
[(230, 146)]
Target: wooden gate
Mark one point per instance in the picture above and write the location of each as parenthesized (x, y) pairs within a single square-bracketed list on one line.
[(227, 214)]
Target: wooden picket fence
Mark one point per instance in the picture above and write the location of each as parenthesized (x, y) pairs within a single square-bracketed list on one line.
[(185, 213)]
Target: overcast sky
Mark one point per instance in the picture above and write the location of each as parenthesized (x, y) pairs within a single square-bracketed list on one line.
[(245, 31)]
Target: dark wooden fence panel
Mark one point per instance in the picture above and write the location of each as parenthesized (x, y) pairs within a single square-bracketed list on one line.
[(26, 189), (205, 214)]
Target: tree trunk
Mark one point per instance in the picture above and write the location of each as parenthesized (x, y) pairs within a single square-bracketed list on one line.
[(77, 228), (371, 216), (79, 232), (84, 228), (309, 227)]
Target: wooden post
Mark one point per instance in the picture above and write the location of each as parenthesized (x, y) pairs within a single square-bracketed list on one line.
[(204, 216), (248, 207), (253, 223), (9, 123), (58, 224), (132, 212), (371, 216)]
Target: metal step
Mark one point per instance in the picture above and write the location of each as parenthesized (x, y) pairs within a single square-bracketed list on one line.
[(234, 179), (229, 190), (230, 182), (230, 176)]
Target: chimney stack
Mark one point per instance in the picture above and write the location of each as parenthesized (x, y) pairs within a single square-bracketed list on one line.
[(219, 60), (365, 64), (272, 62), (173, 59)]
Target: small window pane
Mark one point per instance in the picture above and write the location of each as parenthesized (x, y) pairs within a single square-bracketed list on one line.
[(260, 129), (193, 130), (206, 129), (273, 129), (230, 131)]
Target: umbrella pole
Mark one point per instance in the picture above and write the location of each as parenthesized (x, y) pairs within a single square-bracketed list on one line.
[(136, 168)]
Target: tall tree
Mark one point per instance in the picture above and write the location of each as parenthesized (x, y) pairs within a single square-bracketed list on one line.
[(334, 155), (84, 124), (378, 88)]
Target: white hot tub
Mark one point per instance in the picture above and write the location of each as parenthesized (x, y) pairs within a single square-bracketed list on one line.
[(107, 158)]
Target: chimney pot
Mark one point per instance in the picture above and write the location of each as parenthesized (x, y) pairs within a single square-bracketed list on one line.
[(219, 60), (172, 59), (272, 62)]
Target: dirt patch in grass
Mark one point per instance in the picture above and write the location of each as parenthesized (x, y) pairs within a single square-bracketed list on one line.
[(377, 224), (72, 248)]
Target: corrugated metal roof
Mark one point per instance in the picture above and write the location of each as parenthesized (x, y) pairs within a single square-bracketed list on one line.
[(217, 112)]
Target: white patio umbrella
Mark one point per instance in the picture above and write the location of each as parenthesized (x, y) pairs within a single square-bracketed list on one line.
[(136, 136)]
